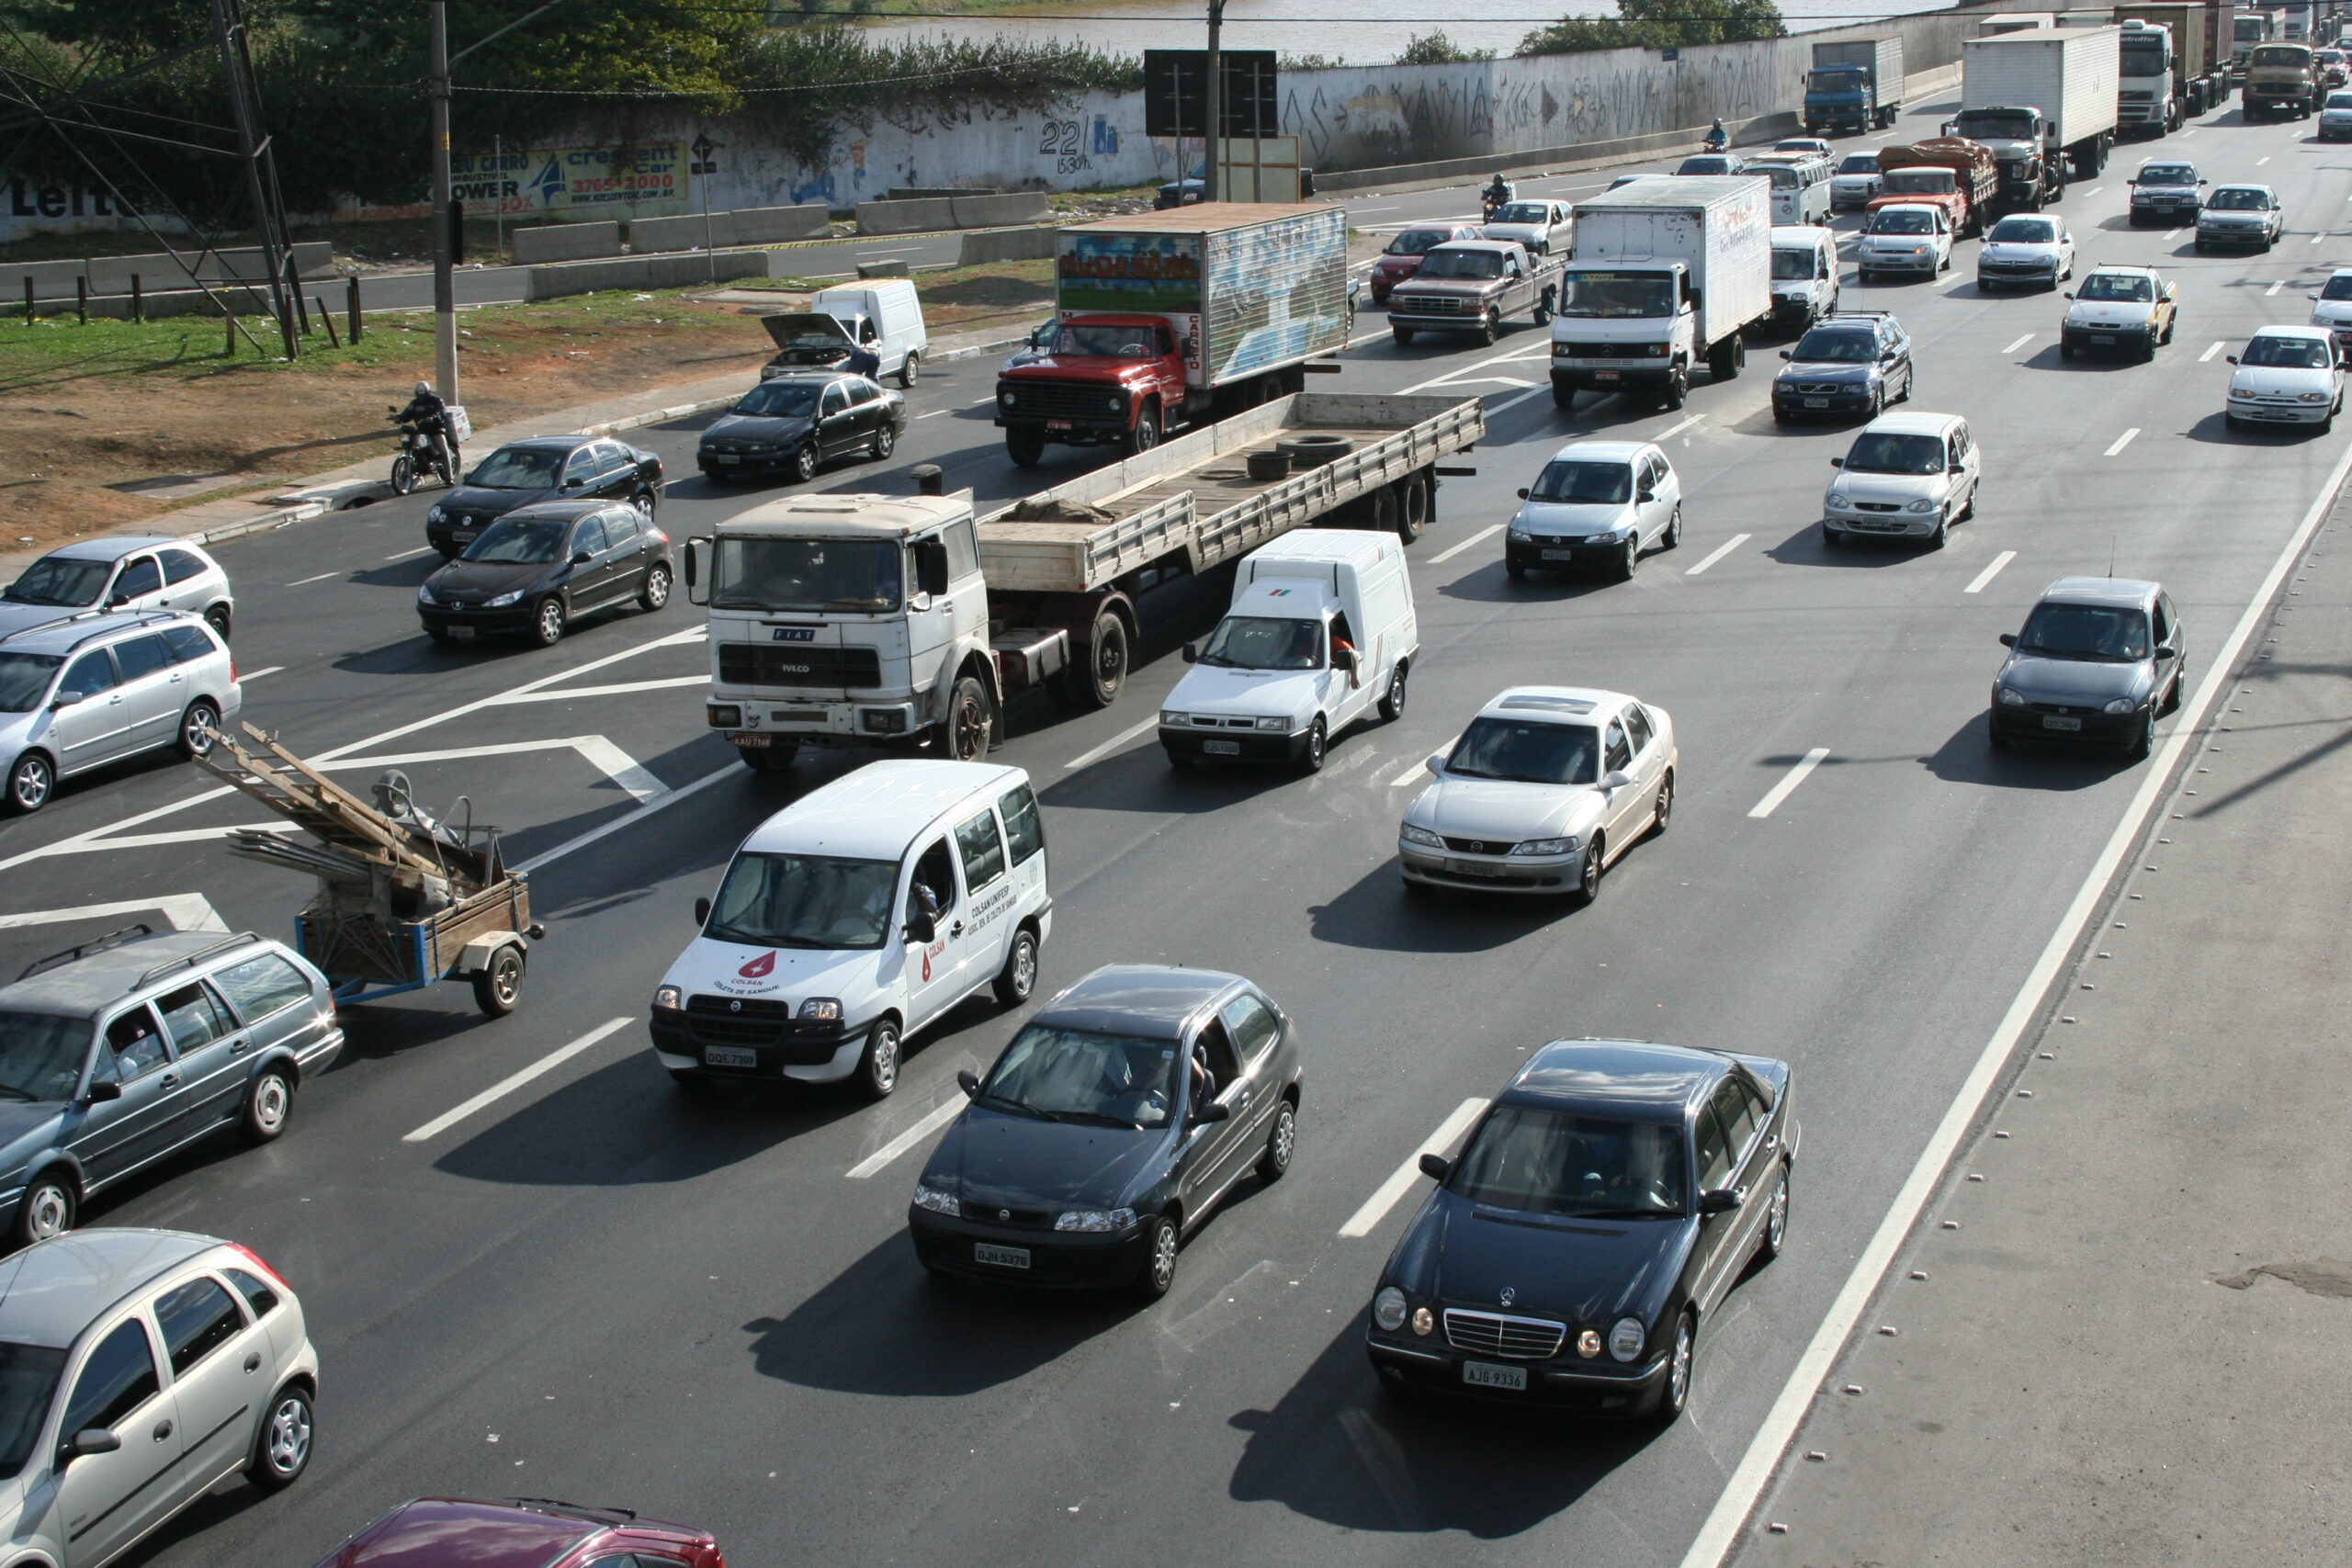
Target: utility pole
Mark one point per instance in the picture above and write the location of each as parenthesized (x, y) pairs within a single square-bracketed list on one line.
[(445, 285), (253, 147), (1215, 90)]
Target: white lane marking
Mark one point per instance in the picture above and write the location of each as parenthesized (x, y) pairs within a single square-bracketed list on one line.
[(1389, 208), (2019, 345), (2189, 130), (1787, 786), (684, 791), (1990, 572), (2093, 191), (250, 676), (976, 402), (933, 1121), (1486, 532), (600, 753), (1400, 1181), (2318, 237), (404, 555), (1113, 743), (1421, 770), (513, 1081), (308, 581), (2122, 442), (1678, 428), (2211, 351), (1510, 403), (1718, 553), (1508, 354), (1723, 1526), (2274, 288), (186, 911), (2258, 162), (1479, 381), (564, 694), (934, 413)]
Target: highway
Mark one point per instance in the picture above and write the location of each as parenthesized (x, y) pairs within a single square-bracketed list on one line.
[(589, 1286)]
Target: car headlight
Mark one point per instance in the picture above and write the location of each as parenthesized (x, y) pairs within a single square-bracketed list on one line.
[(821, 1010), (2314, 397), (2120, 704), (1007, 398), (1114, 402), (1096, 1219), (1567, 846), (1276, 724), (2007, 698), (1169, 719), (668, 998), (424, 594), (1836, 499), (1626, 1340), (1388, 1308), (434, 513), (1424, 1321), (938, 1202), (1421, 836), (1520, 537), (502, 600), (1921, 506)]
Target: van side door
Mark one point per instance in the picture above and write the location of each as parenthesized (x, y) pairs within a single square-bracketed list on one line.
[(1024, 837), (98, 728), (935, 968), (989, 896)]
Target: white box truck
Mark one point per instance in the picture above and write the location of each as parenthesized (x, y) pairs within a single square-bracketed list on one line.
[(1854, 84), (1667, 274), (2042, 101)]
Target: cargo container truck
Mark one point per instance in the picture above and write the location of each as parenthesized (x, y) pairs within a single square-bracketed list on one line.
[(2044, 103), (2170, 68), (1854, 84), (2281, 79)]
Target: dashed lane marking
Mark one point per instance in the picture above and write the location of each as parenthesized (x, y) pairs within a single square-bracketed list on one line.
[(1718, 553), (1990, 572), (938, 1116), (2019, 345), (404, 555), (250, 676), (509, 1084), (1083, 758), (306, 582), (2122, 441), (2211, 351), (1787, 786), (1400, 1181), (1486, 532)]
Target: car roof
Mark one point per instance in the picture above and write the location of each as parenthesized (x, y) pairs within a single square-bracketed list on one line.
[(877, 812), (454, 1530), (1154, 1001), (1553, 704), (1602, 451), (2245, 185), (2284, 331), (1812, 236), (69, 632), (1911, 424), (1623, 1079), (114, 546), (2128, 590), (2136, 268), (2147, 163), (51, 1291), (86, 987)]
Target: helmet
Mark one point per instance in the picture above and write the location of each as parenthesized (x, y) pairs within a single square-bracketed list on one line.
[(425, 389)]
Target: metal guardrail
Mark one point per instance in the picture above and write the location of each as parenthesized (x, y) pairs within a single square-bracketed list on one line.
[(1150, 533)]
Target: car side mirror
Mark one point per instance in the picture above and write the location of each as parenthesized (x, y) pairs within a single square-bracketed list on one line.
[(969, 1083), (1646, 493), (1718, 1201), (1785, 353), (702, 911), (2008, 640), (1437, 1167), (2311, 297), (1616, 778), (2070, 294), (1837, 462), (580, 557), (1956, 468), (921, 928), (117, 600), (1343, 659), (931, 566), (92, 1440), (571, 484), (103, 1090), (1436, 764), (66, 699), (1191, 655), (1212, 1112), (1522, 494), (2230, 359)]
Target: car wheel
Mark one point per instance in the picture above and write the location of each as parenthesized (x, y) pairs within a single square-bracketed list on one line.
[(2143, 737), (968, 721), (1404, 337), (1159, 1261), (656, 591), (547, 625), (268, 1103), (1018, 978), (877, 1068), (1675, 1397), (909, 368), (804, 463), (1589, 872), (1282, 1142), (1514, 569), (1776, 1219), (2232, 422), (216, 619), (1673, 535), (1662, 808), (1629, 560), (1391, 701), (1993, 736), (47, 1208), (886, 441), (1942, 534), (32, 778), (282, 1446), (199, 729), (645, 501), (1831, 538), (1310, 760), (2172, 693), (498, 989)]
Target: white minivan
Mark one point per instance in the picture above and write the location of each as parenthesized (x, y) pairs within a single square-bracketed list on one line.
[(885, 318), (1321, 629), (1800, 186), (855, 916)]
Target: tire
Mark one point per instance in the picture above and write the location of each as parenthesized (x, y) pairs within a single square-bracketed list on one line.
[(1831, 539), (1673, 535), (1514, 569), (2172, 695), (1776, 1220), (1562, 398), (547, 622), (772, 758), (1629, 562), (878, 1065), (1159, 1272), (1589, 872), (1942, 534), (1017, 981), (217, 618), (645, 503), (1282, 1142), (282, 1446), (1678, 388), (968, 721), (1993, 736), (1319, 739), (1391, 701), (1412, 506), (1097, 684), (1662, 809), (1146, 433), (2232, 422), (1674, 1397), (1727, 358), (804, 463), (656, 591), (199, 729), (1404, 337), (498, 989), (886, 441), (49, 1208), (2065, 350), (1025, 447), (32, 780), (909, 368), (1490, 329), (403, 474), (2143, 738), (269, 1101)]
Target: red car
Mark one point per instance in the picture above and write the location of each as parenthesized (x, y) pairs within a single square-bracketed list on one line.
[(1403, 256), (525, 1532)]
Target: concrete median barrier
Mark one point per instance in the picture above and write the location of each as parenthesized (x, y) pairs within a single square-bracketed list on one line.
[(560, 280), (1007, 245), (926, 216), (563, 242), (996, 211)]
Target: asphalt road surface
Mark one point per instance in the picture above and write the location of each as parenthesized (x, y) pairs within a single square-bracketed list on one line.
[(589, 1286)]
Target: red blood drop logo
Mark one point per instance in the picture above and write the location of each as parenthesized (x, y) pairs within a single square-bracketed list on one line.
[(926, 964), (759, 968)]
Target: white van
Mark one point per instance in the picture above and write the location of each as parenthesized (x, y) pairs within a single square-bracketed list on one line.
[(1320, 630), (1800, 185), (1805, 275), (854, 917), (885, 318)]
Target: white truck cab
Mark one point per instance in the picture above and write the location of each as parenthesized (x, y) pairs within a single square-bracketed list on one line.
[(853, 917), (1321, 629)]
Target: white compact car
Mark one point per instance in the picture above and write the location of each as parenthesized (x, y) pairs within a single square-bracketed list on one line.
[(2026, 248), (1908, 476), (123, 571), (2332, 306), (2335, 117), (1546, 788), (1596, 503), (1857, 180), (2240, 215), (2287, 375), (1545, 228), (1905, 237), (2118, 309)]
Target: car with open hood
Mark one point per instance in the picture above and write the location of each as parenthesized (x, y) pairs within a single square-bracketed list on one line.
[(2128, 310), (1855, 362), (2025, 248), (2241, 215), (1908, 476), (120, 571), (2287, 375), (1402, 257), (1110, 1130), (539, 570), (2099, 660), (542, 467), (1597, 505), (794, 424), (1905, 237), (1576, 1252), (1544, 790)]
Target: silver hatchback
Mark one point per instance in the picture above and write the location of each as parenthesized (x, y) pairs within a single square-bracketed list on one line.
[(137, 1369), (80, 693)]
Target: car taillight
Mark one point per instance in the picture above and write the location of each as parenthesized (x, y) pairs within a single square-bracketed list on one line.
[(250, 1256), (232, 669)]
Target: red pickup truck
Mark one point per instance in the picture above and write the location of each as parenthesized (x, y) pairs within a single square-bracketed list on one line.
[(1949, 172)]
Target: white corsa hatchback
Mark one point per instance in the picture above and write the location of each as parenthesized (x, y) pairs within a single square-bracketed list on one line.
[(2287, 375), (1907, 476), (1547, 787)]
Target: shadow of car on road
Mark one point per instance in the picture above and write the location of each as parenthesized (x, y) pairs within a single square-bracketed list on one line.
[(1377, 913), (1968, 757), (1807, 546)]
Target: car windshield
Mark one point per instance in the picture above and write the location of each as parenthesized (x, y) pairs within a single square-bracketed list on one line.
[(24, 677), (806, 575), (518, 468), (1877, 452), (61, 580), (2017, 230), (781, 399), (1462, 264), (2286, 353), (1418, 241), (2169, 174), (40, 1055), (1899, 220), (1527, 752), (1523, 212), (1823, 346), (1104, 342), (2118, 286), (1548, 1162), (819, 901), (1084, 1075), (2237, 198), (1597, 484), (2339, 100), (1705, 164), (1792, 265), (2085, 631), (29, 1378), (1265, 642), (2338, 287), (1859, 164), (519, 541), (1616, 295)]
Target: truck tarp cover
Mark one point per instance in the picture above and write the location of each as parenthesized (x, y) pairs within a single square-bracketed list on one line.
[(1937, 152)]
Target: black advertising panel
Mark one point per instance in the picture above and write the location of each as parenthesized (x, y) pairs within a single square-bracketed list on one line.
[(1175, 92)]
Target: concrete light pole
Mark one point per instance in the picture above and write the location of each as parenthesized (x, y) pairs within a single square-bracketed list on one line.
[(1215, 106)]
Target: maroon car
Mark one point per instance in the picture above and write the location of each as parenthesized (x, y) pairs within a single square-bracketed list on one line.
[(1403, 256), (523, 1532)]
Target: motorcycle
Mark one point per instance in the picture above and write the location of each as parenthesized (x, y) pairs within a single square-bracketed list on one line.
[(1715, 143), (421, 453)]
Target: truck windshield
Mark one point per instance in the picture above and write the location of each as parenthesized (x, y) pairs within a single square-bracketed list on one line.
[(1104, 342), (1616, 294), (1598, 484), (1791, 266), (2007, 125), (1443, 263), (2142, 56), (819, 901), (1834, 79), (1265, 642), (806, 574), (1885, 454)]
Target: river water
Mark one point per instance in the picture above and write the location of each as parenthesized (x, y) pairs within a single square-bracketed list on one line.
[(1359, 32)]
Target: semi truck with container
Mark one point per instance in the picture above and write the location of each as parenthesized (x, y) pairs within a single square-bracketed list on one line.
[(1169, 321), (2002, 22), (1667, 274), (1854, 84), (2044, 103), (2169, 68), (2281, 79), (907, 622)]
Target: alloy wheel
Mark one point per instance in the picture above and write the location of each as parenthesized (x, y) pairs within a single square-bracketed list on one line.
[(31, 782), (287, 1449)]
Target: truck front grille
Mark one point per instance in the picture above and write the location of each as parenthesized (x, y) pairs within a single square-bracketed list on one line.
[(1434, 304), (1048, 399), (796, 664)]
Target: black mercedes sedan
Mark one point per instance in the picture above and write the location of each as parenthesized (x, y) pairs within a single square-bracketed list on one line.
[(1598, 1214), (796, 424), (1110, 1129), (544, 467), (538, 569)]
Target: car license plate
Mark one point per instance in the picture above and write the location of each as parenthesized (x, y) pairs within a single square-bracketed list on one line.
[(1058, 425), (729, 1057), (1816, 402), (463, 538), (1604, 375), (1485, 1375), (1222, 748), (2102, 337), (461, 633), (2057, 721), (750, 742), (1473, 868), (1002, 1256), (1559, 555), (723, 457)]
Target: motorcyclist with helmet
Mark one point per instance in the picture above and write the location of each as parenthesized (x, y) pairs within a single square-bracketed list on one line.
[(1498, 195), (1718, 139), (431, 416)]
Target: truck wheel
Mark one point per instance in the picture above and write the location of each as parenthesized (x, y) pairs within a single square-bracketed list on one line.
[(1412, 506), (967, 731), (1025, 447), (1727, 358), (1491, 328), (1145, 434), (1096, 681), (1678, 388), (1564, 396), (1404, 337), (776, 757)]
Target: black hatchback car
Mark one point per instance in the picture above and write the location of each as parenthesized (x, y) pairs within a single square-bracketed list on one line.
[(544, 467), (2099, 660), (1847, 365), (795, 423), (1110, 1129), (1599, 1212), (536, 569)]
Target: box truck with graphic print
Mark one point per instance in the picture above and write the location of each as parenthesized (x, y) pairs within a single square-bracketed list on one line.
[(1173, 320)]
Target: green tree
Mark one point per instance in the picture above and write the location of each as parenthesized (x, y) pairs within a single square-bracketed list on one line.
[(1436, 49), (1660, 24)]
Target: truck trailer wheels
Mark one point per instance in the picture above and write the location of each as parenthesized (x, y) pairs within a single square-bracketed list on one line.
[(1095, 680)]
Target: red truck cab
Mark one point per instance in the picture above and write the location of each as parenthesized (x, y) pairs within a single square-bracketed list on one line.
[(1104, 379), (1952, 172)]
